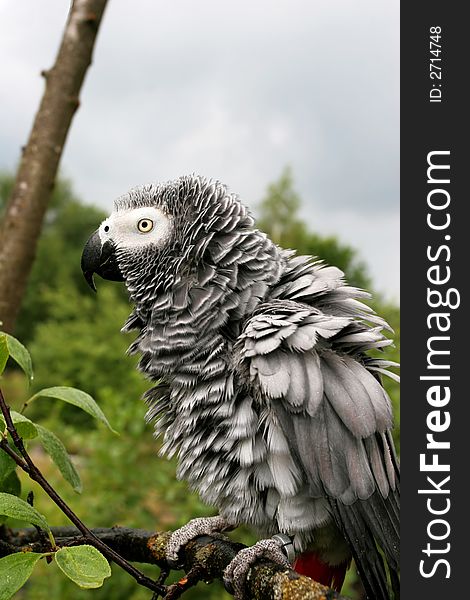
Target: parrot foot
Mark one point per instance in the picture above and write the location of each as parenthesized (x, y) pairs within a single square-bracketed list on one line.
[(236, 572), (192, 529)]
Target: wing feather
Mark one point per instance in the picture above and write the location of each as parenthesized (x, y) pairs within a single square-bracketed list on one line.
[(308, 368), (348, 397)]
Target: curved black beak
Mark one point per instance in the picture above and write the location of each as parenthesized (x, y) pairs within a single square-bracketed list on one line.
[(100, 259)]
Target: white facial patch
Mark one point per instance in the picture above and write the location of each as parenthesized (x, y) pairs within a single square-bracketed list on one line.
[(136, 227)]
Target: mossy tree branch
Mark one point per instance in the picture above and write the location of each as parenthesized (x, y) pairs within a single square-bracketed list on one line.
[(204, 557)]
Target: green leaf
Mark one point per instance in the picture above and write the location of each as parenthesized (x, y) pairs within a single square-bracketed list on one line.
[(84, 565), (7, 465), (19, 354), (57, 451), (11, 484), (4, 354), (77, 398), (15, 570), (16, 508), (26, 429), (9, 480)]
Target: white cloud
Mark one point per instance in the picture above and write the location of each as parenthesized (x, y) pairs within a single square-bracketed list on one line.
[(376, 237), (235, 90)]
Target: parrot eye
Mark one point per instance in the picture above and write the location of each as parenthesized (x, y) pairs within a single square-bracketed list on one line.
[(145, 225)]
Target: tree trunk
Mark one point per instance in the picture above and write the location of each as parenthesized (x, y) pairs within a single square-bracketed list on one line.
[(24, 213)]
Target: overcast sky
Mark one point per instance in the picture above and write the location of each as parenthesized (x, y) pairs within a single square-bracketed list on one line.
[(234, 90)]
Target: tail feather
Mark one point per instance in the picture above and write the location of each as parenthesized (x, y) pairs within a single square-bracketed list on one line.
[(312, 566)]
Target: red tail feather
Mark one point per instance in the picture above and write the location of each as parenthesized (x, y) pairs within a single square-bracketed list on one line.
[(310, 564)]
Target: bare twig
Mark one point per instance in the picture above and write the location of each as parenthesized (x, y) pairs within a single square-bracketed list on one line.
[(193, 577)]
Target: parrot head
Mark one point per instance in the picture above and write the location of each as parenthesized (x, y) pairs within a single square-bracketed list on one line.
[(157, 233), (131, 232)]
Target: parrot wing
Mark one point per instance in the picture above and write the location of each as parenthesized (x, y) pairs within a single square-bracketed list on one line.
[(310, 370)]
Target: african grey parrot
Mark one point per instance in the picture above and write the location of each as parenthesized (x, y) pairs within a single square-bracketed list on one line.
[(265, 389)]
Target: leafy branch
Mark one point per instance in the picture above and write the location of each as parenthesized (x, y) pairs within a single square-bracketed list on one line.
[(12, 506), (24, 461)]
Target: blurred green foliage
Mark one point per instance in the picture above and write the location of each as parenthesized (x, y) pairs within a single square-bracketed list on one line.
[(74, 340), (278, 216)]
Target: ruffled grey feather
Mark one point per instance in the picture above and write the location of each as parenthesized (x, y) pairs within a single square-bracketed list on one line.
[(265, 391)]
